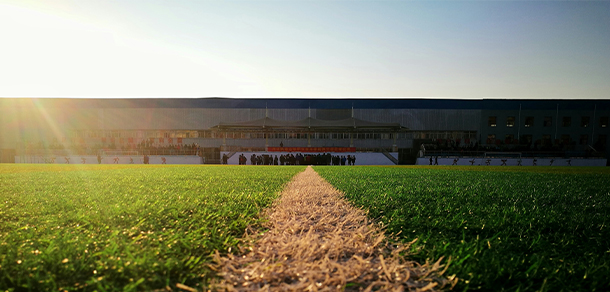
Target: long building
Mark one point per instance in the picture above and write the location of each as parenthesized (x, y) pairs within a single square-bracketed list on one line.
[(212, 125)]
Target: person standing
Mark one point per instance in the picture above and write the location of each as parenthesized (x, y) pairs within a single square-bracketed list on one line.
[(99, 159)]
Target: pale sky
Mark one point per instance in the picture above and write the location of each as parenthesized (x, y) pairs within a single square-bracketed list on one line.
[(282, 48)]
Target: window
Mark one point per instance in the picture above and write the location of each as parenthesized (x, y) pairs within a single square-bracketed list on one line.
[(566, 122), (491, 121), (584, 122), (603, 122), (601, 142), (491, 138), (529, 122), (584, 139), (510, 122), (509, 139), (565, 139), (525, 139), (546, 139), (548, 121)]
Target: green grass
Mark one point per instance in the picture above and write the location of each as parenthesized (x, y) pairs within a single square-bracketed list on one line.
[(506, 229), (110, 228)]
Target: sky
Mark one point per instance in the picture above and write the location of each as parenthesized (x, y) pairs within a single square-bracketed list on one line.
[(283, 48)]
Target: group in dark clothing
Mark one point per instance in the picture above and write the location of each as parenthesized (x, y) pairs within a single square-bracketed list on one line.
[(298, 159)]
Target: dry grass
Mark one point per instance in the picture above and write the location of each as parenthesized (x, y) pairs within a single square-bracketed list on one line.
[(318, 242)]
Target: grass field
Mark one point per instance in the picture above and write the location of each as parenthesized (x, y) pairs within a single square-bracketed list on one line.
[(110, 228), (506, 228)]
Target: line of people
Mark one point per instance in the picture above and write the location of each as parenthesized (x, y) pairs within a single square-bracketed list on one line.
[(291, 159)]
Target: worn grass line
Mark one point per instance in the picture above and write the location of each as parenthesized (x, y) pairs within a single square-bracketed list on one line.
[(317, 241)]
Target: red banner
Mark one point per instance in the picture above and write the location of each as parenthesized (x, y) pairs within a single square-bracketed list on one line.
[(170, 140), (152, 140), (103, 139), (112, 140), (161, 140), (179, 140), (130, 140), (311, 149)]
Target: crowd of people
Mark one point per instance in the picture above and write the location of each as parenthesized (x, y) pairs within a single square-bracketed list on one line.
[(292, 159)]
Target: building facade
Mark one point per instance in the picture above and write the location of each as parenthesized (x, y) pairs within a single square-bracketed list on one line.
[(90, 125)]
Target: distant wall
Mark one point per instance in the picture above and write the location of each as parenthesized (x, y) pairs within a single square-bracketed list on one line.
[(90, 159), (515, 161)]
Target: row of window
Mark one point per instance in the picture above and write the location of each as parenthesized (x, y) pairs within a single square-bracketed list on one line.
[(136, 134), (585, 121), (443, 135), (230, 135), (546, 139)]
